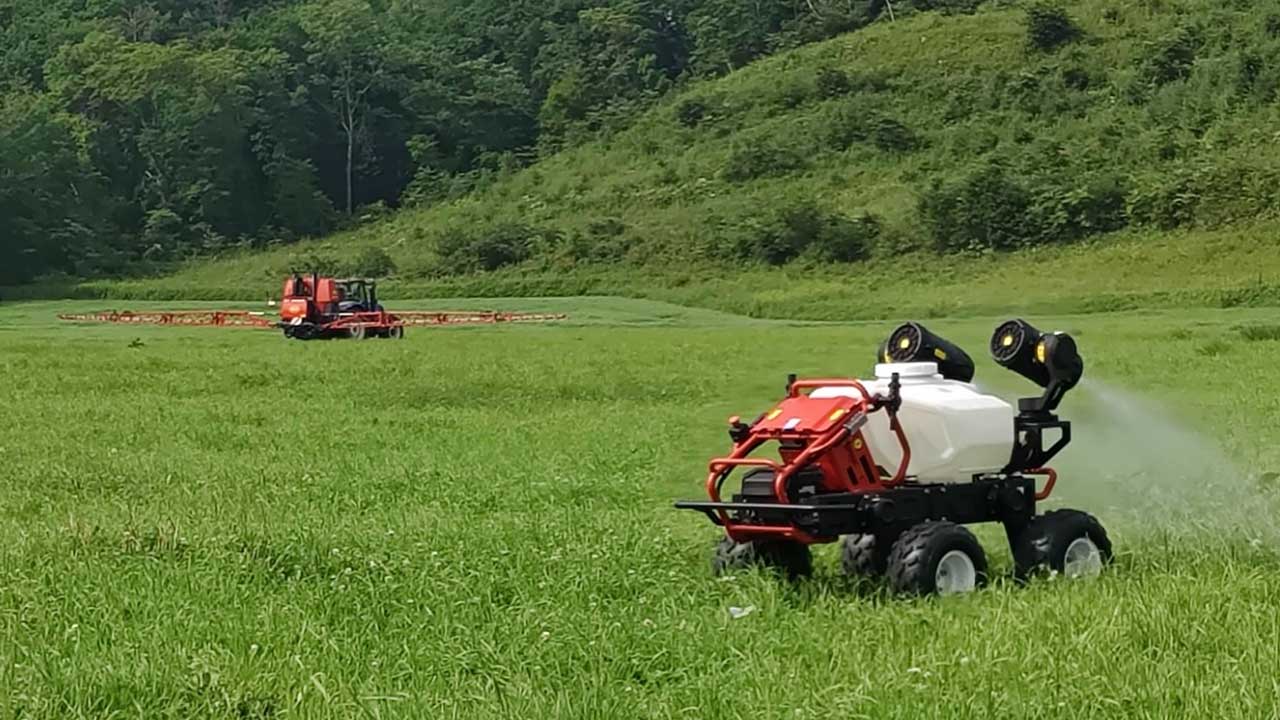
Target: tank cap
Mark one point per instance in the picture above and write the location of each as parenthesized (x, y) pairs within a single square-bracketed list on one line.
[(885, 371)]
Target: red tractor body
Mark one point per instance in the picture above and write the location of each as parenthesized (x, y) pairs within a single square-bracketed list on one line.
[(820, 435), (325, 307)]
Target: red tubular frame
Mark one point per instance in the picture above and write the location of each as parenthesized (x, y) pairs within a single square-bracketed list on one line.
[(901, 475), (720, 468), (1052, 480), (814, 384)]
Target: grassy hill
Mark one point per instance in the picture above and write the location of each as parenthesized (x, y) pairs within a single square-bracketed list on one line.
[(962, 168)]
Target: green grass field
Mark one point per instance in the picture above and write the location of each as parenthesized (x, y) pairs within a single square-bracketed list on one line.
[(477, 523)]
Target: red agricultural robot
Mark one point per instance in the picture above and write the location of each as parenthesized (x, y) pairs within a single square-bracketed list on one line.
[(893, 469)]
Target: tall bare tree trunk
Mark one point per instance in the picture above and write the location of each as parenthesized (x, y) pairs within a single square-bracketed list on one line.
[(350, 147), (349, 125)]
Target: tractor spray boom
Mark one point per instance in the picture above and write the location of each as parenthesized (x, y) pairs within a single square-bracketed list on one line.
[(313, 307)]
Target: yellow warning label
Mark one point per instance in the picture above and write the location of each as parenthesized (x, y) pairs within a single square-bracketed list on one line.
[(776, 412), (1040, 353), (839, 412), (938, 353)]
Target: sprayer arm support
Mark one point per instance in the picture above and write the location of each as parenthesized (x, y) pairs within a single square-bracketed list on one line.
[(901, 475), (891, 402)]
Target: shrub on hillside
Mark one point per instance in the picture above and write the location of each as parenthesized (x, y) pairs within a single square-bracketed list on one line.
[(992, 209), (971, 142), (1065, 212), (1229, 190), (849, 123), (791, 93), (805, 229), (1077, 78), (891, 135), (690, 112), (844, 125), (1258, 74), (1164, 201), (946, 7), (313, 261), (603, 240), (845, 239), (372, 262), (486, 248), (765, 159), (1271, 25), (988, 210), (1171, 57), (1049, 27), (832, 82)]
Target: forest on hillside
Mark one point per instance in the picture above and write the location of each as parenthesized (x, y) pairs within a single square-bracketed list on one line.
[(135, 134)]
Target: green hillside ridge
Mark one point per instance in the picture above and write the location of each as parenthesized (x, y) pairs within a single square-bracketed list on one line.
[(1134, 165)]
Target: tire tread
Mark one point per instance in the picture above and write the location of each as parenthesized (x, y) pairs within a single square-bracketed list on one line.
[(1047, 536), (914, 556)]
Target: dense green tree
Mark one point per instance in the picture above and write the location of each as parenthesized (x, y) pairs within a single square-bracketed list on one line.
[(167, 125), (141, 132), (53, 202), (605, 61), (349, 59)]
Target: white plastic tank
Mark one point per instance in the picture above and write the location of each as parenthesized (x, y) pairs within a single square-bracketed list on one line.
[(955, 431)]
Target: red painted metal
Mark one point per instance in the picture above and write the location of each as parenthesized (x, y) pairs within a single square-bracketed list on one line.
[(1052, 480), (814, 384), (808, 430)]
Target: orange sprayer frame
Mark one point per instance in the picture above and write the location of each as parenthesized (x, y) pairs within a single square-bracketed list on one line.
[(830, 433)]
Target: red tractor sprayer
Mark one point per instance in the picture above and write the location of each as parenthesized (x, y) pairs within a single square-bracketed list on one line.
[(893, 468), (314, 307), (325, 307)]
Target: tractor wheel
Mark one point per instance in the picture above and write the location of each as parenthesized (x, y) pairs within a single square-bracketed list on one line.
[(937, 557), (1068, 542), (788, 556), (356, 332), (396, 332), (862, 556)]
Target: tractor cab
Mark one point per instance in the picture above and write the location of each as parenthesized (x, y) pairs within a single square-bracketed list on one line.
[(314, 306), (356, 295), (314, 298)]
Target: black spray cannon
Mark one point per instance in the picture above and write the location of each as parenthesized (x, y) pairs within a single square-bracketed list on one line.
[(1049, 360), (913, 343)]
